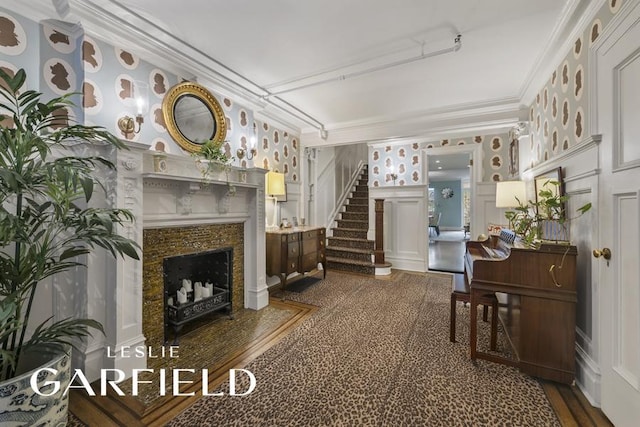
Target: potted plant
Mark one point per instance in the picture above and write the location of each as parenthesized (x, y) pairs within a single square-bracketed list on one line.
[(47, 226), (546, 217), (212, 159)]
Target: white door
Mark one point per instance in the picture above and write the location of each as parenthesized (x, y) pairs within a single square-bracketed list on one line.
[(618, 121)]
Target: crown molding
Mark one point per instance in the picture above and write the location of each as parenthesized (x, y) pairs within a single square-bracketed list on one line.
[(575, 16), (461, 119), (115, 24)]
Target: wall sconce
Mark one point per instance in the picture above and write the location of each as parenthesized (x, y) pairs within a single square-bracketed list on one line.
[(393, 175), (252, 151), (140, 94)]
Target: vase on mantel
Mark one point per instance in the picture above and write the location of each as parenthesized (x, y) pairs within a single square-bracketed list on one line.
[(212, 169)]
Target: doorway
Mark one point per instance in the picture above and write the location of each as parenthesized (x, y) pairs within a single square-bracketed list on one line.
[(449, 200)]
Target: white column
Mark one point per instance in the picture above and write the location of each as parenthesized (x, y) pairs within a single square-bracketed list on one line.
[(256, 293)]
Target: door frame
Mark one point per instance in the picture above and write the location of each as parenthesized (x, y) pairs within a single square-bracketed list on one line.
[(625, 21), (475, 177)]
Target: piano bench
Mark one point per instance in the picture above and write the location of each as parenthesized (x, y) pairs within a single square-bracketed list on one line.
[(461, 292)]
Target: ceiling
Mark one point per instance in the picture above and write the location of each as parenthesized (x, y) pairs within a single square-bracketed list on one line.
[(308, 64), (446, 167)]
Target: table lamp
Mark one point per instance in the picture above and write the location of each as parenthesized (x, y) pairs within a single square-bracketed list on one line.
[(275, 187), (510, 194)]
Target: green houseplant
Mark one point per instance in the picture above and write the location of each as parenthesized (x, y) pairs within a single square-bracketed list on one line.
[(212, 158), (528, 219), (47, 223)]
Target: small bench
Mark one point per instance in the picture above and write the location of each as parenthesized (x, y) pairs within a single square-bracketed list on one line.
[(461, 292)]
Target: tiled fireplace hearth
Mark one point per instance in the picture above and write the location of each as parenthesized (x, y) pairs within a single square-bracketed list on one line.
[(177, 213), (164, 243)]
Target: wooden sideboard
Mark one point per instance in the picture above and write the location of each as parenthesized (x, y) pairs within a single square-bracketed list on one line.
[(291, 250)]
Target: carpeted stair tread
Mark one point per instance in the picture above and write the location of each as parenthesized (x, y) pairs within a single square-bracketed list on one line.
[(355, 216), (353, 223), (351, 242), (350, 229), (353, 250), (359, 201), (349, 261), (349, 239)]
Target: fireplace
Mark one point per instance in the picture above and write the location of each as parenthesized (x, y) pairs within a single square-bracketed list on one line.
[(177, 214), (196, 285)]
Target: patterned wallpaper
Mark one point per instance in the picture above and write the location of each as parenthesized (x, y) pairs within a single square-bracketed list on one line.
[(278, 151), (558, 115), (108, 77), (406, 160)]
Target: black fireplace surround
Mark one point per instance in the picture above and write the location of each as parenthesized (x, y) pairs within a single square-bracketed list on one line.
[(214, 266)]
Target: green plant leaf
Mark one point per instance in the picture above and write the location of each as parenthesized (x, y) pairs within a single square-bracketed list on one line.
[(583, 209)]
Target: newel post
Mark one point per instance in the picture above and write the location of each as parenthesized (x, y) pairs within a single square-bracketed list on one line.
[(379, 250)]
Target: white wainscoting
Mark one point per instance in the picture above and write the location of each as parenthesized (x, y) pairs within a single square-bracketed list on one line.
[(405, 225), (484, 211), (580, 175)]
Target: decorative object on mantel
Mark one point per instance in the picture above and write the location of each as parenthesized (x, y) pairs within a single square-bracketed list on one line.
[(447, 193), (160, 163), (211, 160), (48, 226)]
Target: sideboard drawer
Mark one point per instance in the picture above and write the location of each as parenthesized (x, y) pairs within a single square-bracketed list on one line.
[(292, 265), (310, 261), (293, 250)]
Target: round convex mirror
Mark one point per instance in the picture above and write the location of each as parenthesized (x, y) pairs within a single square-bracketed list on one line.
[(193, 116)]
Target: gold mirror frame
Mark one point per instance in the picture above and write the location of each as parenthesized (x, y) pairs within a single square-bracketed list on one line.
[(169, 103)]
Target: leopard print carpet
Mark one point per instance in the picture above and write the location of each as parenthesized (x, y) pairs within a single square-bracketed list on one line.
[(377, 353)]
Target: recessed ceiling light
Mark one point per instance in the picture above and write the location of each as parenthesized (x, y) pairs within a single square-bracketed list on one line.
[(437, 161), (439, 167)]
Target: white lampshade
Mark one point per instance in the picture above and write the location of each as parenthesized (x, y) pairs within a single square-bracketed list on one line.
[(275, 184), (509, 192)]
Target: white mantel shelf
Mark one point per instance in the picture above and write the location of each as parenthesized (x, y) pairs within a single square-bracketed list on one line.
[(204, 181)]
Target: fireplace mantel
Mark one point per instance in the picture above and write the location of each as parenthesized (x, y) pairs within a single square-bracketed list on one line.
[(181, 196)]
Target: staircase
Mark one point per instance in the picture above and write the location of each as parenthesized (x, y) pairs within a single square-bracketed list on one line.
[(348, 249)]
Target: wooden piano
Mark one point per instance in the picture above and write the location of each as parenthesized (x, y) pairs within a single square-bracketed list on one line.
[(536, 290)]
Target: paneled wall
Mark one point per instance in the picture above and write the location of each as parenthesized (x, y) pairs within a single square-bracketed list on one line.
[(405, 225), (561, 136)]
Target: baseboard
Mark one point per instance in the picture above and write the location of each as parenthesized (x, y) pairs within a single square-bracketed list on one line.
[(406, 264), (588, 377), (90, 361)]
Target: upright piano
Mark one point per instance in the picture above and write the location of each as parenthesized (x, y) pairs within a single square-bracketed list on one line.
[(536, 290)]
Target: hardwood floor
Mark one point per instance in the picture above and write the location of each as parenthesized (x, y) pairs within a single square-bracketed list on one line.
[(572, 407), (113, 410)]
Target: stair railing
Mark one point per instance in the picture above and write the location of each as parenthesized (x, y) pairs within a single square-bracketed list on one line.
[(346, 192)]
